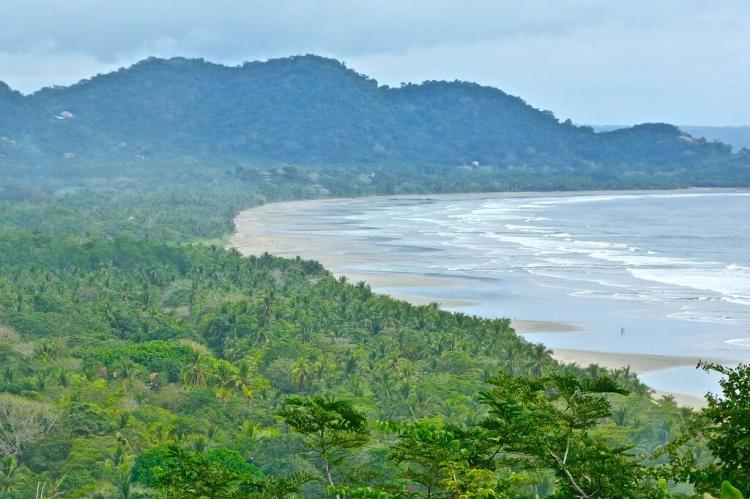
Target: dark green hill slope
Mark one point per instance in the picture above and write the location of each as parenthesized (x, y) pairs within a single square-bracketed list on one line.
[(309, 110)]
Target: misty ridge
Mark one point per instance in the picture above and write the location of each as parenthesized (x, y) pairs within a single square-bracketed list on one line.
[(737, 136), (314, 111)]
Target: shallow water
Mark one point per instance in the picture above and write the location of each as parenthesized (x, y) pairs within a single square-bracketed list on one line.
[(665, 273)]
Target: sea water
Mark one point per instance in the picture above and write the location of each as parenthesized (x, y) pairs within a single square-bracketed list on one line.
[(665, 273)]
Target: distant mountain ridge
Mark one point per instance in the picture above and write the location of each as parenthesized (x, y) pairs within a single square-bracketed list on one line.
[(309, 110), (736, 136)]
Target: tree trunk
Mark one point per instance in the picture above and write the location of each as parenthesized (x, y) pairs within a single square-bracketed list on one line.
[(327, 467)]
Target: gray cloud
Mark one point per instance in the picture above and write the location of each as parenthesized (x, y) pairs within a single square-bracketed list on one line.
[(685, 61)]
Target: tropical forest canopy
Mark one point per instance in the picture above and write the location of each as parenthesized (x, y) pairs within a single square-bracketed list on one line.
[(137, 369), (140, 358)]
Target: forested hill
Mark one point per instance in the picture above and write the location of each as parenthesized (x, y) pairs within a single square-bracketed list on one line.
[(140, 359), (309, 110)]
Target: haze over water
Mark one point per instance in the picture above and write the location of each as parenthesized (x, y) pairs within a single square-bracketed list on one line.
[(659, 273)]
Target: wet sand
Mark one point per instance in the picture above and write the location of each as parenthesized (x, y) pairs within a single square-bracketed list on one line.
[(303, 228), (257, 233), (682, 399), (528, 326), (638, 362)]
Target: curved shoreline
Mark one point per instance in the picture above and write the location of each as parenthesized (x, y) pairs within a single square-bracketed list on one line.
[(275, 228)]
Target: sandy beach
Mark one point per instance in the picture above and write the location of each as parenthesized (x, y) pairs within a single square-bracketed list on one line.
[(639, 363), (305, 228)]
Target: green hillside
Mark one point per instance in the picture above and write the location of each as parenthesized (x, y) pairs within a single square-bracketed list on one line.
[(309, 110), (135, 369)]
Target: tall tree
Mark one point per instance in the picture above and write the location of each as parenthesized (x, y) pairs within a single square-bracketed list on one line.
[(552, 423), (23, 423), (329, 428), (724, 424)]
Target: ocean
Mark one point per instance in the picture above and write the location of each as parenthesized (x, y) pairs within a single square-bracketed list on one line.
[(654, 273)]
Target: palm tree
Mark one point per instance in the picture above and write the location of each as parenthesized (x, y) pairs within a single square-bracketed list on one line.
[(117, 458), (198, 444), (123, 370), (63, 378), (45, 351), (511, 360), (262, 337), (301, 374), (350, 364), (242, 380), (595, 370), (43, 492), (10, 474), (195, 372), (180, 431), (224, 374), (267, 309), (223, 394), (41, 379), (540, 359), (382, 380), (122, 479), (355, 386), (244, 370), (620, 415)]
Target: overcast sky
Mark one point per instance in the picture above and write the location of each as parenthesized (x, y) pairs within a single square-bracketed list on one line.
[(594, 61)]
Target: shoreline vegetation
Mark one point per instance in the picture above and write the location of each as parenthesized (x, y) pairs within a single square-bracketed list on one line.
[(156, 366), (266, 229), (149, 344), (141, 357)]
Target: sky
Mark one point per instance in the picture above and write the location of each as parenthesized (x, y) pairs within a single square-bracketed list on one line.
[(593, 61)]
